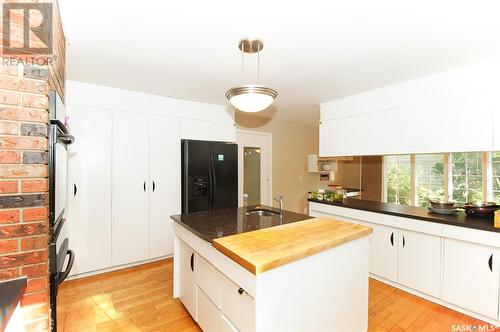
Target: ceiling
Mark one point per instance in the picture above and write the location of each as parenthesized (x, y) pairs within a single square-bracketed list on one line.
[(314, 51)]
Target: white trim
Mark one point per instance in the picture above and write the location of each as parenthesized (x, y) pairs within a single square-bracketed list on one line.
[(116, 268)]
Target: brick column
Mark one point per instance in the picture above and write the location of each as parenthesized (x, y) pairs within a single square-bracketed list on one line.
[(24, 118)]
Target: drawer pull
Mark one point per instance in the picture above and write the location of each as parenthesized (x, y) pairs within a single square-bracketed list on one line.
[(490, 263), (191, 262), (392, 239), (240, 291)]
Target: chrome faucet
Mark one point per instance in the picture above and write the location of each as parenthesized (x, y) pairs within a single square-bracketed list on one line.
[(279, 199)]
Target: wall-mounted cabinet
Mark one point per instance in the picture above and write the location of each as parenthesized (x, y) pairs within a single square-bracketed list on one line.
[(434, 126)]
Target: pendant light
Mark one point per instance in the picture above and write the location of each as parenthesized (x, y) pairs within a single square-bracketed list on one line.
[(251, 97)]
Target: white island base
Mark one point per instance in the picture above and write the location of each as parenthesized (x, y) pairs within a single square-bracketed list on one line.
[(327, 291)]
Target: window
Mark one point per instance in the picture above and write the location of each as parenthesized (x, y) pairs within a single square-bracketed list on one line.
[(397, 177), (429, 178), (466, 177), (495, 176)]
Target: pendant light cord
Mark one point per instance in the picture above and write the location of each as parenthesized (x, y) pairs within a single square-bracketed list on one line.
[(243, 64)]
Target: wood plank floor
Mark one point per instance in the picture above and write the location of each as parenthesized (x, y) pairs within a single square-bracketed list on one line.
[(140, 299)]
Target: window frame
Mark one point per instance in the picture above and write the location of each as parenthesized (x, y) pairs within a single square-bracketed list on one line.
[(486, 177)]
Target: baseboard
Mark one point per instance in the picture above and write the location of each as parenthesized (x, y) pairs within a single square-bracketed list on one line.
[(115, 268), (438, 301)]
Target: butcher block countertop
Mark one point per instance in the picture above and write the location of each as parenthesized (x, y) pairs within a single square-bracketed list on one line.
[(262, 250)]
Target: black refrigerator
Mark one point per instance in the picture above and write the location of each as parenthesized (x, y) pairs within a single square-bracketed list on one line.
[(209, 175)]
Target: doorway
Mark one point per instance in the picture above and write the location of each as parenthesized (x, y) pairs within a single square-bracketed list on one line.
[(254, 167)]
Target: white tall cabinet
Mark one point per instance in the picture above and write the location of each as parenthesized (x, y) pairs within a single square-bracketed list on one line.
[(164, 184), (147, 186), (131, 188), (88, 225), (124, 171)]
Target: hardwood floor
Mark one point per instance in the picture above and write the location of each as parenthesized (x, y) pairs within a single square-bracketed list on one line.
[(140, 299)]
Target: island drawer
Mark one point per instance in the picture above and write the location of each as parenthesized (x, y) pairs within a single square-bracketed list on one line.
[(209, 279), (238, 306)]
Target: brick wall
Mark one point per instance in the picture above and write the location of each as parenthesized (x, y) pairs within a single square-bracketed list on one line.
[(24, 200)]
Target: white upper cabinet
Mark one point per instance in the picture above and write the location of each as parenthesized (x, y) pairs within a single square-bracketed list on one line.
[(88, 225), (208, 130), (496, 125), (446, 112), (131, 186), (164, 183)]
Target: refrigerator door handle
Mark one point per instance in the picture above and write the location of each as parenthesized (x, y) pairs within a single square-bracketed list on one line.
[(214, 182), (210, 183)]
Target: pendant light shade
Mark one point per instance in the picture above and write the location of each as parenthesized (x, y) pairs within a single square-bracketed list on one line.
[(251, 97)]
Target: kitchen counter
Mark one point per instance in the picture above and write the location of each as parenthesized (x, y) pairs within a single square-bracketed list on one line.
[(210, 225), (265, 249), (11, 292), (460, 219), (271, 273)]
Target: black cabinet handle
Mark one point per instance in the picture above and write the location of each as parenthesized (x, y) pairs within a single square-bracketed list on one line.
[(191, 263), (490, 263), (392, 239), (154, 186), (404, 242), (74, 189), (240, 291), (144, 186)]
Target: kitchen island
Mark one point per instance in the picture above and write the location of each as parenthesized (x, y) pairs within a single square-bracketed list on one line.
[(241, 270)]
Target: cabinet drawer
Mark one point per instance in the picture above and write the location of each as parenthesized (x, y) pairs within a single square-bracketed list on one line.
[(227, 326), (238, 308), (209, 279), (209, 316)]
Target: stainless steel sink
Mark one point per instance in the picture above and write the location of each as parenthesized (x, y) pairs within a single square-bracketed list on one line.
[(262, 212)]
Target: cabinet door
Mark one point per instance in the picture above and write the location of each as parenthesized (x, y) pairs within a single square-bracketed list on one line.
[(420, 261), (88, 224), (131, 160), (383, 252), (187, 286), (209, 316), (471, 277), (164, 189)]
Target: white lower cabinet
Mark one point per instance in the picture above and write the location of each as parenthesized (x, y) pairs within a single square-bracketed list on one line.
[(471, 277), (384, 252), (209, 316), (238, 306), (444, 264), (420, 261), (187, 286), (214, 301)]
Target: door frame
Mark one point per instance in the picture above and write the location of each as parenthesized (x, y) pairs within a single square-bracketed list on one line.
[(269, 138)]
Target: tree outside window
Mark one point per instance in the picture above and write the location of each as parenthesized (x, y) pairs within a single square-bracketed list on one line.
[(495, 168), (429, 172), (398, 179), (466, 177)]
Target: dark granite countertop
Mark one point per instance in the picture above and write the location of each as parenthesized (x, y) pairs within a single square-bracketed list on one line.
[(11, 292), (460, 219), (210, 225)]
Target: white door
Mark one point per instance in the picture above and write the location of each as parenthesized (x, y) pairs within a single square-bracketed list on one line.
[(187, 286), (131, 185), (88, 224), (384, 252), (420, 261), (254, 168), (164, 186), (470, 276)]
